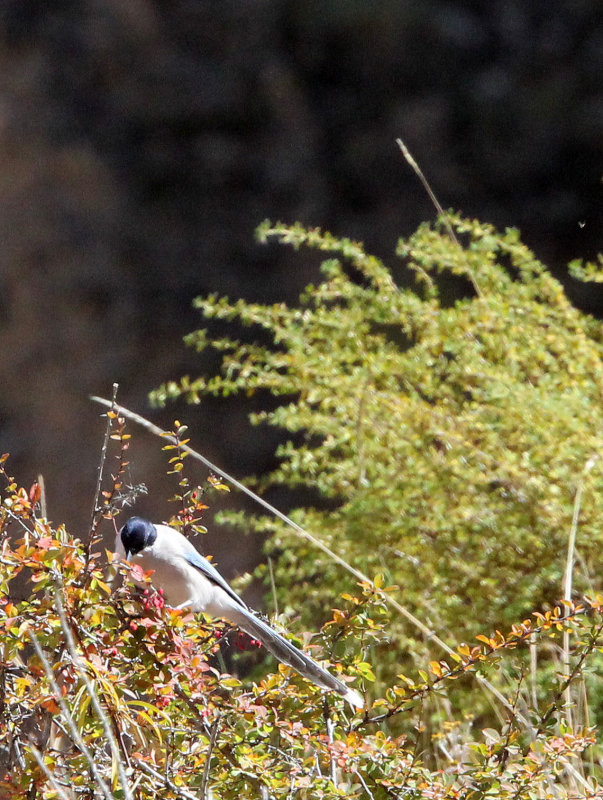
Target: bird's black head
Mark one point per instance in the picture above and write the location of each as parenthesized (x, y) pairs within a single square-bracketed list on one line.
[(137, 534)]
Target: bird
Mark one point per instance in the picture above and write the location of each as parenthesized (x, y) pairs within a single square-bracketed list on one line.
[(189, 580)]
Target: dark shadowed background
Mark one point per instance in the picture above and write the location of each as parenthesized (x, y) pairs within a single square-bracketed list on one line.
[(141, 143)]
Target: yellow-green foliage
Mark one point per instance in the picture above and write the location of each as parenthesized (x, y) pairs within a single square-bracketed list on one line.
[(453, 438), (454, 443)]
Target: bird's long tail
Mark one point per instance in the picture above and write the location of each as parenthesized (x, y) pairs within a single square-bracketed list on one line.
[(293, 657)]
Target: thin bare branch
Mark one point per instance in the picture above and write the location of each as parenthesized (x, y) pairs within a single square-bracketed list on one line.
[(332, 764), (432, 196), (164, 780), (116, 750), (301, 532), (71, 726), (442, 214), (567, 583), (428, 633), (533, 672), (94, 520), (43, 503), (273, 586), (51, 778), (207, 766), (364, 785)]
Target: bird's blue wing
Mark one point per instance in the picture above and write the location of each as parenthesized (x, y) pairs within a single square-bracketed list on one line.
[(204, 566)]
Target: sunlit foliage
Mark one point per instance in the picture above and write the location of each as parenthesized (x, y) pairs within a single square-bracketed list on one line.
[(109, 693), (453, 438), (458, 448)]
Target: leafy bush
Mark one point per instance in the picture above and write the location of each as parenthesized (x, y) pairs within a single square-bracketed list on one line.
[(460, 446), (453, 439), (113, 695)]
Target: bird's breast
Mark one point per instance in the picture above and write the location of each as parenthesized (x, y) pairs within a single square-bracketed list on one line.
[(182, 584)]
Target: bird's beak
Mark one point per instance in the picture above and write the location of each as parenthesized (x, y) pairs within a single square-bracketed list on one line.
[(128, 554)]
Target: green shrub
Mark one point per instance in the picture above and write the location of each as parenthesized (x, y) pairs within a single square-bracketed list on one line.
[(452, 438), (458, 445)]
